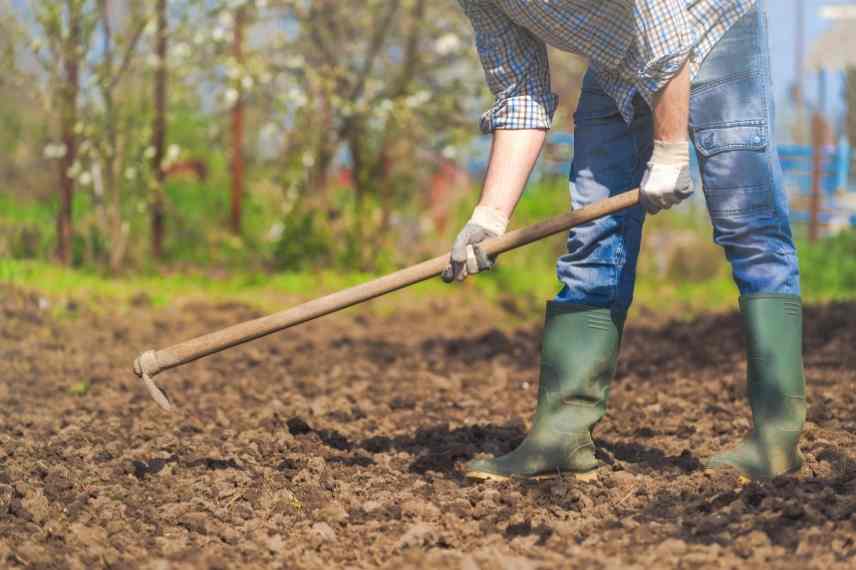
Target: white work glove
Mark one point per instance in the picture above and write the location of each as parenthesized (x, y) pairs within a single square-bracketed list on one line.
[(667, 180), (467, 258)]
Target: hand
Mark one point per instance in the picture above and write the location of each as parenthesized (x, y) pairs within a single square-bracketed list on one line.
[(467, 258), (667, 180)]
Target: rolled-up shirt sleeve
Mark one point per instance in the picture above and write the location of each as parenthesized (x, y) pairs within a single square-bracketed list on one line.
[(664, 38), (516, 68)]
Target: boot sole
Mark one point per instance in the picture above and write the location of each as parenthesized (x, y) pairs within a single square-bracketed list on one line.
[(745, 477), (481, 475)]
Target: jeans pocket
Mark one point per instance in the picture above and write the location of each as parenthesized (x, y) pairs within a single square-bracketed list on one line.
[(748, 135), (735, 169)]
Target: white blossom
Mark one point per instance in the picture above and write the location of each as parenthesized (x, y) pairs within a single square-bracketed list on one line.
[(446, 44), (307, 159), (297, 97), (149, 153), (384, 107), (295, 61), (54, 150), (130, 173), (232, 70), (85, 179), (275, 231), (226, 20), (247, 82), (173, 152), (417, 99), (181, 50), (73, 170), (231, 96), (269, 130)]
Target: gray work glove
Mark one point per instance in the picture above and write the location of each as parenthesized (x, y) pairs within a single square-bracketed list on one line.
[(467, 258), (667, 180)]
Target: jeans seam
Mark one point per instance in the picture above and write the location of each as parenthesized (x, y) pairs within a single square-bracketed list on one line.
[(709, 85), (709, 189), (767, 80), (733, 123), (618, 260)]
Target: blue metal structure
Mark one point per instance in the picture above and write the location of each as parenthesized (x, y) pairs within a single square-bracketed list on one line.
[(796, 162)]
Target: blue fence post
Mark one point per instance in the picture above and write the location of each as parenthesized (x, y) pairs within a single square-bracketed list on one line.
[(842, 167)]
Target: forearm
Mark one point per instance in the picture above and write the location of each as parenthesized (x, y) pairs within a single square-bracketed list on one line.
[(671, 109), (512, 157), (667, 180)]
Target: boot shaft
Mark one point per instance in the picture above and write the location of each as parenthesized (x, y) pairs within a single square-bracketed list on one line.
[(776, 383), (578, 360)]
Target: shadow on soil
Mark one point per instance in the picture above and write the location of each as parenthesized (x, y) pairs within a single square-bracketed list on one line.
[(780, 509)]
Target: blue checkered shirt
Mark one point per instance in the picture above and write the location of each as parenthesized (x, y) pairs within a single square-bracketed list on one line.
[(633, 46)]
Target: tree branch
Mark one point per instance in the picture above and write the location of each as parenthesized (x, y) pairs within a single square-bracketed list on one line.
[(381, 28)]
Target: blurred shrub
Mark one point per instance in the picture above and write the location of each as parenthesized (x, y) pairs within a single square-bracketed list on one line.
[(695, 261), (303, 244), (829, 265), (25, 241)]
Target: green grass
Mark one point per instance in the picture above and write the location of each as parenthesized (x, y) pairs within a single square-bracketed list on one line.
[(209, 263), (269, 292)]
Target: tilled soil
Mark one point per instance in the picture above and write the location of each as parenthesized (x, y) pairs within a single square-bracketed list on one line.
[(339, 444)]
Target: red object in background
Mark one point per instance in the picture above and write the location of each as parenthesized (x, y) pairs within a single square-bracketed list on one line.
[(448, 178), (820, 135), (195, 167), (345, 178)]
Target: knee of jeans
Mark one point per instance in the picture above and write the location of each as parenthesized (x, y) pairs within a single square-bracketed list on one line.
[(594, 269), (764, 271), (599, 241)]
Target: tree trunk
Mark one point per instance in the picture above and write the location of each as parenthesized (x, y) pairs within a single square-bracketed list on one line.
[(237, 129), (111, 189), (68, 102), (159, 133), (358, 176)]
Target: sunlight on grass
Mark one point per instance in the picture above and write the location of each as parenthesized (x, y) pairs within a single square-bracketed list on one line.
[(680, 272)]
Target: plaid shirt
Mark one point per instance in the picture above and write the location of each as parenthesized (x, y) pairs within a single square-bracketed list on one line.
[(634, 46)]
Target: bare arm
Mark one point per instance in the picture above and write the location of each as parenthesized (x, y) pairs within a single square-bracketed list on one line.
[(671, 109), (512, 158)]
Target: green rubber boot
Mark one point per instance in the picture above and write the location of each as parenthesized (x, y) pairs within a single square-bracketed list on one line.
[(776, 387), (578, 359)]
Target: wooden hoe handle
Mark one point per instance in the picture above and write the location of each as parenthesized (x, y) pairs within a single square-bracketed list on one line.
[(151, 362)]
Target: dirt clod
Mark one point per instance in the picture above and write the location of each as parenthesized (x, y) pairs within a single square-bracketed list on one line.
[(340, 444)]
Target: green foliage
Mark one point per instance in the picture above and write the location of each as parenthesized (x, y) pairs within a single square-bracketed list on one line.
[(302, 244), (828, 267)]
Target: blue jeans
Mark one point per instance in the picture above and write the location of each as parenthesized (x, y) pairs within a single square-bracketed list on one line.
[(731, 126)]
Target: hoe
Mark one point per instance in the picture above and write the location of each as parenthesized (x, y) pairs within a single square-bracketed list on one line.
[(152, 362)]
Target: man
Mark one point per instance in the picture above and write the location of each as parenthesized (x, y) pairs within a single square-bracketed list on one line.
[(661, 72)]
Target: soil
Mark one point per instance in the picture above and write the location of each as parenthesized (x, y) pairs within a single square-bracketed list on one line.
[(339, 444)]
